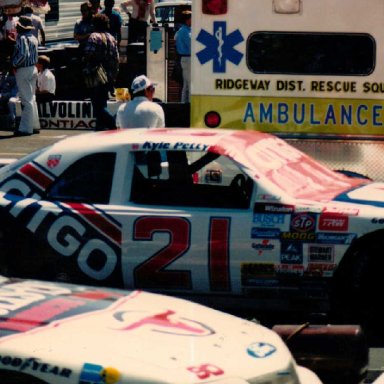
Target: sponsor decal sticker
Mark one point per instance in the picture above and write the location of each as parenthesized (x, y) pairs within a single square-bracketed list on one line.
[(335, 238), (320, 269), (152, 146), (264, 245), (291, 253), (269, 220), (53, 161), (273, 208), (303, 222), (94, 374), (333, 222), (265, 233), (321, 253), (261, 350), (205, 371), (292, 269), (298, 236)]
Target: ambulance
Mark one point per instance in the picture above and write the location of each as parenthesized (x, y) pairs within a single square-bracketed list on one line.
[(309, 71)]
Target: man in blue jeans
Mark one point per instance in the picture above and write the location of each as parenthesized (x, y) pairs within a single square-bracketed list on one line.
[(24, 61)]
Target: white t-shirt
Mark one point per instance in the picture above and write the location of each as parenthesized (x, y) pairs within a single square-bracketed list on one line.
[(46, 81), (140, 113)]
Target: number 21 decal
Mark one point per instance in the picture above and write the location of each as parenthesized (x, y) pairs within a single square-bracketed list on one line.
[(152, 273)]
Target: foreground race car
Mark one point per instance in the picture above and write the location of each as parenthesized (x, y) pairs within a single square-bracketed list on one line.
[(63, 334), (228, 218)]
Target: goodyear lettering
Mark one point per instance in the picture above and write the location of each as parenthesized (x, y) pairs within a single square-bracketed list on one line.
[(313, 114), (254, 85), (34, 364)]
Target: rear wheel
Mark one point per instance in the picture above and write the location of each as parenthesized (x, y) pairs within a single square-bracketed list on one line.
[(357, 288)]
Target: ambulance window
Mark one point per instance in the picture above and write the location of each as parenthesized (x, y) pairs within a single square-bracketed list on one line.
[(191, 179), (53, 14), (307, 53), (88, 180)]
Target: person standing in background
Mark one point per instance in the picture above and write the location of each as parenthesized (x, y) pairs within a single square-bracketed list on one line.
[(183, 48), (115, 20), (141, 111), (46, 82), (9, 35), (141, 11), (24, 61), (95, 6), (83, 27), (101, 48), (37, 23)]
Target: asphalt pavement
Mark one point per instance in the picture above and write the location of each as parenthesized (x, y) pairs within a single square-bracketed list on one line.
[(17, 147)]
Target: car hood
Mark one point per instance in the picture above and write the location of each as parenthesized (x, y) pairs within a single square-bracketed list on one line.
[(70, 334), (371, 194)]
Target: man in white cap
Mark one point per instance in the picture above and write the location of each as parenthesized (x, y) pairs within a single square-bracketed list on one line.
[(141, 111), (24, 61)]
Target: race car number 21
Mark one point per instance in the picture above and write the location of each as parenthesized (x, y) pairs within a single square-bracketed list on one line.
[(152, 272)]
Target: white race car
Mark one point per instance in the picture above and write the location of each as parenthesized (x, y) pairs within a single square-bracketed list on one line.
[(231, 218), (67, 334)]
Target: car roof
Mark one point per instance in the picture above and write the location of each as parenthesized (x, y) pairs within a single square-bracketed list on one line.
[(216, 140)]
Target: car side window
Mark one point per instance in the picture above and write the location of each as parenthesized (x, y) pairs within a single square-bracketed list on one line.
[(88, 180), (192, 179)]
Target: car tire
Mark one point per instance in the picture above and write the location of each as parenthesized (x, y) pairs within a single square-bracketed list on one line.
[(356, 286)]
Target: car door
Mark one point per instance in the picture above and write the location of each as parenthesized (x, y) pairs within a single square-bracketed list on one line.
[(188, 225)]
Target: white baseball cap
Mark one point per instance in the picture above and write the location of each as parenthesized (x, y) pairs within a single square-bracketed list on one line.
[(140, 83)]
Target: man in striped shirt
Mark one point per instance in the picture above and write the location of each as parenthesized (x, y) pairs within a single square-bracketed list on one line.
[(24, 61)]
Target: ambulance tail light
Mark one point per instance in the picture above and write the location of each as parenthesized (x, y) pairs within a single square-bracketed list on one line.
[(212, 119), (215, 7)]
